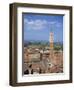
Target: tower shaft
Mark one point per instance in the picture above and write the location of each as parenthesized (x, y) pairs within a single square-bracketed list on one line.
[(51, 40)]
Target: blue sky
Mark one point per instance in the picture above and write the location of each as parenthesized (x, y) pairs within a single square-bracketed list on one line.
[(37, 27)]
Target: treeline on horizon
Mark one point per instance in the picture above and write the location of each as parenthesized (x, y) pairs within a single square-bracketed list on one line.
[(57, 45)]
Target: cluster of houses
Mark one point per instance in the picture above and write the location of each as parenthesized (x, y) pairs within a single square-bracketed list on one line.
[(40, 61)]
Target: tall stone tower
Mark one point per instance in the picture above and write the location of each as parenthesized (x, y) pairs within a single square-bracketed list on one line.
[(51, 40)]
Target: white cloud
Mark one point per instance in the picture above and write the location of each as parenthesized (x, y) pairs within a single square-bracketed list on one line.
[(52, 22), (39, 24), (35, 24), (58, 24), (25, 20)]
